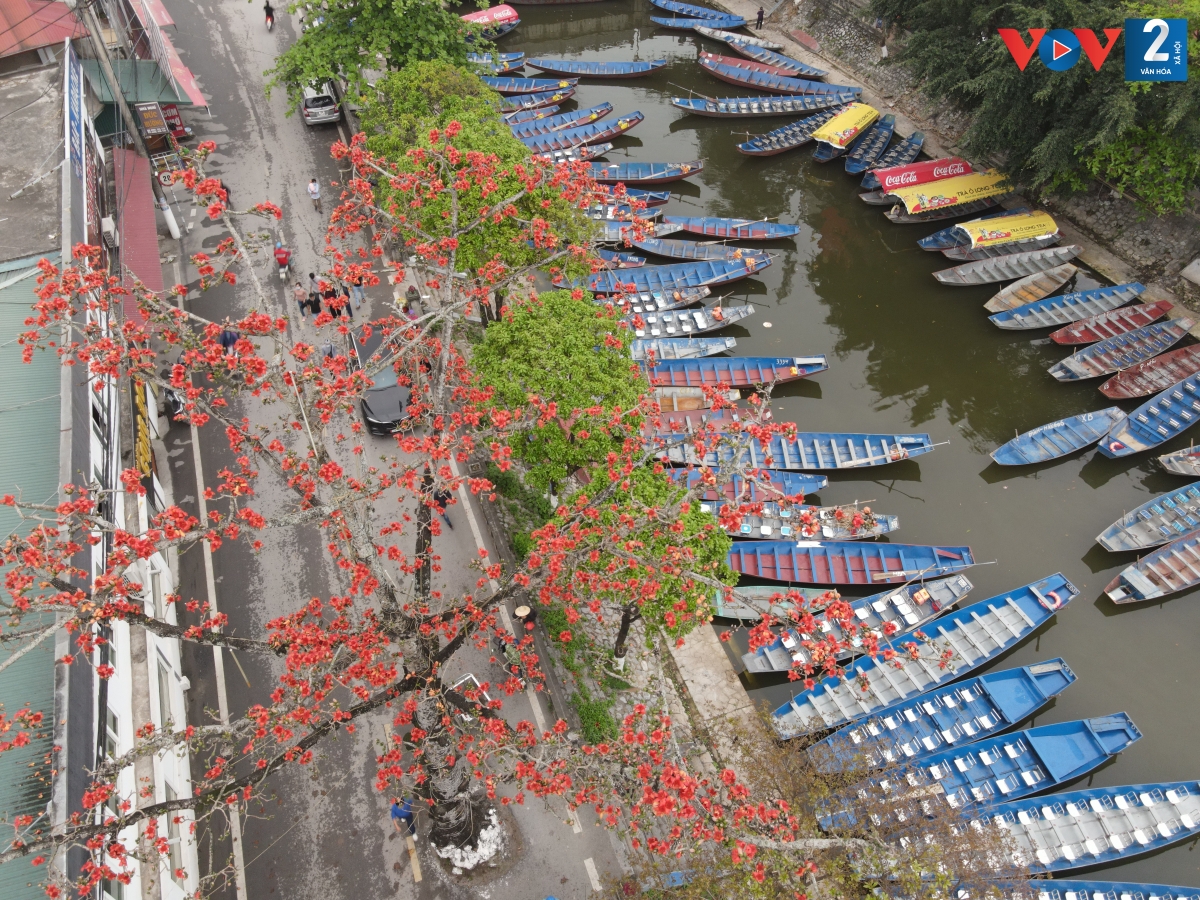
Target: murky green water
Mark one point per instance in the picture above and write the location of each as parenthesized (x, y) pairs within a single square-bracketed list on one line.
[(908, 354)]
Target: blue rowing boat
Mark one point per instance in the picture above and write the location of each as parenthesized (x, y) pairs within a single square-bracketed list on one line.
[(654, 301), (994, 770), (1162, 417), (592, 133), (809, 451), (845, 562), (771, 83), (767, 484), (865, 150), (733, 229), (650, 198), (680, 348), (500, 66), (949, 717), (900, 154), (535, 101), (623, 232), (1121, 351), (530, 114), (683, 24), (679, 275), (596, 69), (760, 107), (488, 59), (1160, 519), (523, 87), (690, 10), (561, 121), (791, 66), (751, 602), (1098, 826), (733, 371), (618, 260), (682, 323), (643, 173), (974, 635), (892, 615), (1056, 439), (830, 523), (787, 137), (954, 236), (1054, 312), (1071, 889), (616, 212), (692, 250)]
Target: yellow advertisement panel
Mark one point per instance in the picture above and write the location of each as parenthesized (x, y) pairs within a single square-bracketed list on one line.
[(847, 125), (952, 191), (1007, 229)]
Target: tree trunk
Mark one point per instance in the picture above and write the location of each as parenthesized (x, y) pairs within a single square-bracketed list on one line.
[(453, 818), (629, 615)]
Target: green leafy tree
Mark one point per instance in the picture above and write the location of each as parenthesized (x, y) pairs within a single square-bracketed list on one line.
[(1054, 129), (559, 357), (349, 40)]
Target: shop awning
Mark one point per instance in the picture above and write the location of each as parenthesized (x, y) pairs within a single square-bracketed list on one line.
[(952, 191), (1007, 229), (137, 225), (141, 82), (847, 125)]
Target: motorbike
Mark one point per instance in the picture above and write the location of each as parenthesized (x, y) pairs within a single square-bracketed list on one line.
[(173, 400), (283, 259)]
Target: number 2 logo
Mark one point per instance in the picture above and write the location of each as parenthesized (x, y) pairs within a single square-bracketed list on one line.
[(1152, 52)]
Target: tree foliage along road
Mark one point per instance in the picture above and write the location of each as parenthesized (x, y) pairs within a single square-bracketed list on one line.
[(300, 458), (1056, 129)]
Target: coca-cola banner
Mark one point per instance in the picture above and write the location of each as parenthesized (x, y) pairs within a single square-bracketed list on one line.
[(498, 15), (921, 173)]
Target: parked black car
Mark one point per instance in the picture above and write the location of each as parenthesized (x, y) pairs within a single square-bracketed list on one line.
[(385, 406)]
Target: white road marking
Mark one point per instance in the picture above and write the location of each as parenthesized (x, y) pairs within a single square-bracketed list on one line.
[(465, 500), (573, 818), (593, 875), (412, 858)]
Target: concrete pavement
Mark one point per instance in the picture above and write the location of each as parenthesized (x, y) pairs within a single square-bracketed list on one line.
[(326, 833)]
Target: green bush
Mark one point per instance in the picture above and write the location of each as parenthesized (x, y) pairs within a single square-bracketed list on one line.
[(594, 717), (555, 620)]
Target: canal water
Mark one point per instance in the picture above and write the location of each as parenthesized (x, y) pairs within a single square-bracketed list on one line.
[(909, 354)]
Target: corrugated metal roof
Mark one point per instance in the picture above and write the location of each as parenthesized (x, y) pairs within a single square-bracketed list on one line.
[(29, 442), (30, 24), (138, 225), (142, 81)]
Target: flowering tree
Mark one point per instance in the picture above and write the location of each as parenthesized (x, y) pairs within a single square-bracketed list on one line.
[(380, 643)]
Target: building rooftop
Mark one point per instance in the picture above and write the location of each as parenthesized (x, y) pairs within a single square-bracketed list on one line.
[(30, 24), (31, 135)]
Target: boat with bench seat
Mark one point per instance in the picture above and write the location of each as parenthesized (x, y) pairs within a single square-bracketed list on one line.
[(899, 154), (560, 122), (1182, 462), (951, 716), (1110, 324), (814, 450), (718, 35), (1067, 308), (1057, 439), (1164, 416), (1071, 889), (955, 236), (845, 562), (830, 523), (760, 107), (1158, 521), (675, 276), (786, 65), (684, 322), (1153, 375), (655, 301), (1172, 568), (731, 371), (993, 770), (750, 602), (765, 485), (1099, 826), (1004, 268), (680, 348), (891, 615), (972, 636), (1120, 352)]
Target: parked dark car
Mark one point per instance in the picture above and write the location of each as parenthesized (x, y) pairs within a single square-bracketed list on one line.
[(385, 406)]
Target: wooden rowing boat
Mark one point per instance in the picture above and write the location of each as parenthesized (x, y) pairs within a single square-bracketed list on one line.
[(807, 451), (1161, 418), (732, 371), (1067, 308), (771, 83), (751, 602), (515, 87), (643, 173), (1031, 288), (654, 301), (1153, 375), (596, 69), (735, 62), (765, 485), (733, 229), (1159, 520), (592, 133), (614, 259), (784, 64), (845, 562), (680, 348), (830, 523), (900, 154), (718, 35), (861, 155), (691, 10), (561, 121), (789, 137), (685, 322), (679, 275), (760, 107), (1003, 268), (1122, 351), (968, 254), (682, 24), (1182, 462), (535, 101), (898, 216), (578, 153), (1057, 439), (692, 250), (1110, 324)]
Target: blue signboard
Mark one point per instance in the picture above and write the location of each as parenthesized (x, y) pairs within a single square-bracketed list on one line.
[(1156, 49)]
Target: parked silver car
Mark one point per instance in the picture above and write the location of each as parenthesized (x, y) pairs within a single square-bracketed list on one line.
[(320, 106)]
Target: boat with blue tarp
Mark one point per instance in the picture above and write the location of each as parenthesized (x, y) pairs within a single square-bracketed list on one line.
[(973, 636), (770, 82), (946, 718), (760, 107), (733, 229), (561, 121), (845, 562), (645, 173), (787, 137), (871, 146), (1057, 439), (1158, 521), (596, 69), (516, 87), (809, 451), (1122, 351), (1053, 312), (889, 616), (849, 522), (734, 371), (765, 485), (899, 154), (786, 64), (682, 323), (993, 770), (709, 272), (1162, 417), (1097, 826), (680, 348)]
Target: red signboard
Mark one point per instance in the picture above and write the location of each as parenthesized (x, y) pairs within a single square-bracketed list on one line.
[(922, 173), (497, 15)]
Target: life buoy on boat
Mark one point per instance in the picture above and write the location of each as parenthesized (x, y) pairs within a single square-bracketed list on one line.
[(1055, 601), (1115, 445)]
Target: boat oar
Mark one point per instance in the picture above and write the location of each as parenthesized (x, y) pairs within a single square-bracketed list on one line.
[(691, 91)]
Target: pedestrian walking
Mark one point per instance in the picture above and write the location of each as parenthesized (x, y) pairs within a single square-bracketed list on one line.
[(526, 617), (314, 194), (314, 294), (357, 294), (402, 815), (441, 500), (300, 295), (229, 339), (758, 22), (228, 194)]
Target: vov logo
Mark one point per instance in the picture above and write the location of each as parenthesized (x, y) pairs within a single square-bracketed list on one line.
[(1155, 49)]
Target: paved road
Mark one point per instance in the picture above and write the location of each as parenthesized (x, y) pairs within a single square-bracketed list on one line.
[(326, 833)]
